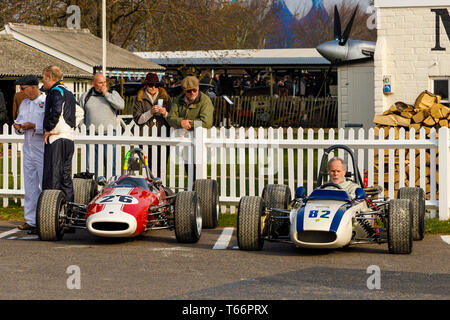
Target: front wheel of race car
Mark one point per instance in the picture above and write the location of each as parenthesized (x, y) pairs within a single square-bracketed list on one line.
[(276, 196), (84, 190), (50, 215), (399, 231), (417, 198), (208, 197), (188, 219), (250, 213)]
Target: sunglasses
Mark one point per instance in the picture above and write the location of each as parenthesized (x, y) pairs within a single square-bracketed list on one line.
[(191, 91), (156, 85), (23, 88)]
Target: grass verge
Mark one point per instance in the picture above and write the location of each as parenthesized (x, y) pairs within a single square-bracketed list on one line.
[(432, 226)]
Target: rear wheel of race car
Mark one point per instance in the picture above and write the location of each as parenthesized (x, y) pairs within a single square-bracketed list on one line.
[(50, 215), (250, 213), (83, 190), (417, 198), (208, 197), (276, 196), (188, 219), (400, 223)]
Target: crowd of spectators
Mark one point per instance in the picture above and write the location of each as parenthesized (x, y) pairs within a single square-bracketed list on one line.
[(242, 85)]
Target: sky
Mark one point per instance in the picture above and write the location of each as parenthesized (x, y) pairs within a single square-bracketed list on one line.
[(302, 7)]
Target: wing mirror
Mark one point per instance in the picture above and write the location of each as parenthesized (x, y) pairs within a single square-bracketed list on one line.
[(101, 181), (360, 194), (157, 182), (300, 192)]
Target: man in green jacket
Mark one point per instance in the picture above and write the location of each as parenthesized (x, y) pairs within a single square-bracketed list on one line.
[(192, 108)]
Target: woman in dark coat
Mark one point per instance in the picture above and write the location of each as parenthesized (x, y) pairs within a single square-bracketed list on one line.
[(151, 108)]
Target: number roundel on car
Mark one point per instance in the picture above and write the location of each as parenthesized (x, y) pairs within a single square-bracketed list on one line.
[(117, 199)]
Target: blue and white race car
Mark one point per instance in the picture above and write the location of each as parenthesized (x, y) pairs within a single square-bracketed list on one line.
[(330, 218)]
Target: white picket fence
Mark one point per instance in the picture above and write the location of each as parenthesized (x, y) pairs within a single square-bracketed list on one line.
[(244, 160)]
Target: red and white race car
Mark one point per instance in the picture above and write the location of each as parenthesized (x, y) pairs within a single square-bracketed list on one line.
[(128, 205)]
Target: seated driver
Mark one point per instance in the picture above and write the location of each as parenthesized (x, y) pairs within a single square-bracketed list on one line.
[(337, 170), (133, 166)]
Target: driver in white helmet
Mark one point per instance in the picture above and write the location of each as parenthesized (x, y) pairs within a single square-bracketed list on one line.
[(337, 170)]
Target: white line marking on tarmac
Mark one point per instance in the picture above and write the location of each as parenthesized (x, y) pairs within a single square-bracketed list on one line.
[(29, 238), (446, 239), (224, 239), (7, 233)]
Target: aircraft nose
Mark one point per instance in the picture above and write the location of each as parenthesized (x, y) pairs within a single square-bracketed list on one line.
[(331, 50), (327, 50)]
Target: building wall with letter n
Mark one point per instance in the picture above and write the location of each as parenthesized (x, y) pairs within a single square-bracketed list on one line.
[(413, 49)]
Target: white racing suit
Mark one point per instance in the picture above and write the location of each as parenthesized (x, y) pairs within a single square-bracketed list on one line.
[(33, 153)]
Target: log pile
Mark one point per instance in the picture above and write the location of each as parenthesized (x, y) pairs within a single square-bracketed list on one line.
[(427, 113)]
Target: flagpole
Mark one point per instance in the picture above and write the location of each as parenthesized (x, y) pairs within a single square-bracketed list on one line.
[(104, 37)]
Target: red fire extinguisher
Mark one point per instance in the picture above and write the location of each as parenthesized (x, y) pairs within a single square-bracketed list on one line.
[(365, 179)]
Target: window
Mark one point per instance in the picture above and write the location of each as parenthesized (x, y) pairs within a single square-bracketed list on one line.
[(442, 88)]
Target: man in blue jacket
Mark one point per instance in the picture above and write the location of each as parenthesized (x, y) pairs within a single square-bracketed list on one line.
[(60, 121)]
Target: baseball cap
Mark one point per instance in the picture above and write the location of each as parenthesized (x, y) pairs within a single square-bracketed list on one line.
[(190, 82)]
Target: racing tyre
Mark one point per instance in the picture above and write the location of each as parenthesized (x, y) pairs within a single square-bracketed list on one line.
[(84, 190), (276, 196), (50, 215), (417, 198), (400, 239), (188, 219), (250, 213), (208, 197)]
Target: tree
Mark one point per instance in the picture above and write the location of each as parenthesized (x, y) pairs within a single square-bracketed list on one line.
[(311, 34), (173, 25)]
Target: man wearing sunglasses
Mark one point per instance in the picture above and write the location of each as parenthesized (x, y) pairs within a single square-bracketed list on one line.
[(192, 107)]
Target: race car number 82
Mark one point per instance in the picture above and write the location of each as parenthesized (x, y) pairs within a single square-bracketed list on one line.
[(323, 214)]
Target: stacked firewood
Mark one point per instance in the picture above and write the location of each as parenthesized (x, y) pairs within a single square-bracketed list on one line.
[(427, 113)]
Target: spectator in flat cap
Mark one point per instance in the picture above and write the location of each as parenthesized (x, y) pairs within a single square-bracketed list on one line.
[(191, 108), (30, 122)]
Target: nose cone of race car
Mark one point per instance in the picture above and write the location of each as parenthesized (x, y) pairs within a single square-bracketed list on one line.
[(322, 224), (108, 223)]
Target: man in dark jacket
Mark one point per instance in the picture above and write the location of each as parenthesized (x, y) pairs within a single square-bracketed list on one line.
[(3, 112), (60, 120)]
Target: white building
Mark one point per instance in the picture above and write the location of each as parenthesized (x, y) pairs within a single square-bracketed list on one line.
[(413, 50)]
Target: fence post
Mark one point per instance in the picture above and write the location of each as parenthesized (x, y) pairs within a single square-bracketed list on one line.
[(200, 152), (444, 173)]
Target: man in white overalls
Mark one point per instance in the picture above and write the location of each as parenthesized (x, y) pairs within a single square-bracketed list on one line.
[(30, 123)]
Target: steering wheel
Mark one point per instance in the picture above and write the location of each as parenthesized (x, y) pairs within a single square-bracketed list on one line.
[(330, 184)]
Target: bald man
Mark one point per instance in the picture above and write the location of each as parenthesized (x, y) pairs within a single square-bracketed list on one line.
[(100, 107), (337, 170)]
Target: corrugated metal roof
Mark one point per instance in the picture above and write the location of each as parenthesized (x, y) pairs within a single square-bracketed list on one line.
[(300, 56), (17, 59), (82, 46)]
